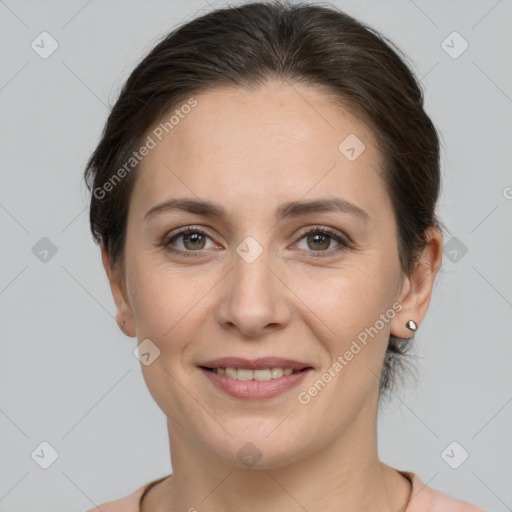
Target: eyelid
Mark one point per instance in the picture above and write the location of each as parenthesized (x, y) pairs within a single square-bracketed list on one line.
[(333, 233), (179, 232), (343, 240), (175, 233)]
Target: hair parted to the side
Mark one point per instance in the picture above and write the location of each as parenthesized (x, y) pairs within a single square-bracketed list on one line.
[(249, 45)]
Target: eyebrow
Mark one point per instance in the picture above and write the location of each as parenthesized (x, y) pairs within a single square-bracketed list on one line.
[(287, 210)]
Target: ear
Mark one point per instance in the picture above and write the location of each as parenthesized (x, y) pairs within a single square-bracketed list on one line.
[(117, 286), (416, 289)]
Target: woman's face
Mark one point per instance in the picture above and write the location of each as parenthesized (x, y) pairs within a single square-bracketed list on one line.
[(253, 285)]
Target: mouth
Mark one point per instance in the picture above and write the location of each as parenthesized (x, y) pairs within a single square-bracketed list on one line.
[(260, 374), (255, 379)]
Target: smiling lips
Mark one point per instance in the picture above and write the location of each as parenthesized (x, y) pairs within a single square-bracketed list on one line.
[(255, 364), (254, 379), (261, 374)]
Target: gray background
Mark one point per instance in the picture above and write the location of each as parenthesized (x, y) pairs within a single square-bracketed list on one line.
[(68, 375)]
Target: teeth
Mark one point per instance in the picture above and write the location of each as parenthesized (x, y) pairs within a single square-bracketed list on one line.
[(261, 374)]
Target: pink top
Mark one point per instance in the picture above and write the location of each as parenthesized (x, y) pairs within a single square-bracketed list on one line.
[(423, 499)]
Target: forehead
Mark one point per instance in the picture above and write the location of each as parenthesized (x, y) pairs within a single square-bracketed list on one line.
[(254, 147)]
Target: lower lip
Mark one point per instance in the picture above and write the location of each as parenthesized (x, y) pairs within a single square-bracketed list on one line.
[(255, 389)]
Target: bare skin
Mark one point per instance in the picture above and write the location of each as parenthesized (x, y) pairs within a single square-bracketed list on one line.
[(250, 152)]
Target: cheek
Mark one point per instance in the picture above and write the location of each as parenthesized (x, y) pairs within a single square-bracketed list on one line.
[(352, 307), (166, 308), (161, 298), (346, 299), (170, 307)]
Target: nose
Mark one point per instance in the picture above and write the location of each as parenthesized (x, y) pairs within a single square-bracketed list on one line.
[(254, 297)]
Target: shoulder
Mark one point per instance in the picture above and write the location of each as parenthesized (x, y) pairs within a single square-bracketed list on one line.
[(426, 499), (129, 503), (443, 502)]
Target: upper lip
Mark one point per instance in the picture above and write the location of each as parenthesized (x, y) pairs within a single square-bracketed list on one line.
[(255, 364)]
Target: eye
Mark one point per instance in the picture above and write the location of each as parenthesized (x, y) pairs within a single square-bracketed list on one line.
[(319, 239), (193, 239)]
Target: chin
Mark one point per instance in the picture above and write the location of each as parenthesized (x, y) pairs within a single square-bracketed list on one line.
[(257, 449)]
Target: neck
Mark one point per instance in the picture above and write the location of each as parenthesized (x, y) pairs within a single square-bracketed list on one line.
[(345, 474)]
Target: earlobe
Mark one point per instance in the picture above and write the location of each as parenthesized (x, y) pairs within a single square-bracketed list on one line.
[(124, 317), (417, 288)]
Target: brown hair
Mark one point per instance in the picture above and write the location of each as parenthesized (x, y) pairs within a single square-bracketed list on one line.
[(298, 42)]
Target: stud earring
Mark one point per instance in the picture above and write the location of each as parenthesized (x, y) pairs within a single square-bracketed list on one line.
[(411, 324)]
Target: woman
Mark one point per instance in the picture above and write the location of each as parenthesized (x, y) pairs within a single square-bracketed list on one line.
[(264, 194)]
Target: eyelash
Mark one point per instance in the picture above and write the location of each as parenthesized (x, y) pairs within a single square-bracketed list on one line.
[(344, 244)]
